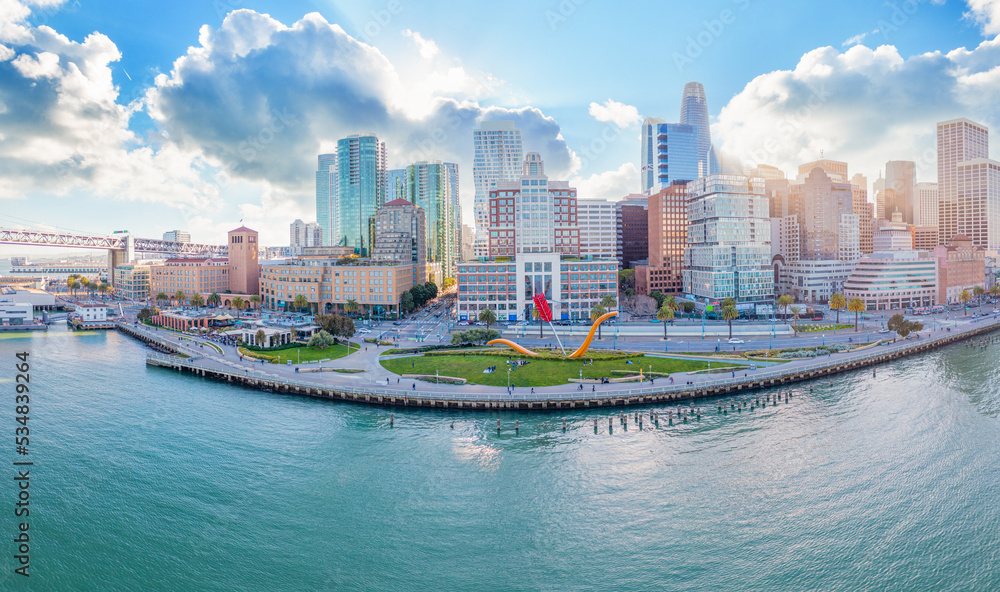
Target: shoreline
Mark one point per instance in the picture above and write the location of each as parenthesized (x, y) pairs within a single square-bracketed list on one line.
[(386, 397)]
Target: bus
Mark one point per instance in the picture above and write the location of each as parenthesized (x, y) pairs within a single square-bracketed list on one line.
[(918, 311), (937, 309)]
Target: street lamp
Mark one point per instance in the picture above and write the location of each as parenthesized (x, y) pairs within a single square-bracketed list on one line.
[(508, 377)]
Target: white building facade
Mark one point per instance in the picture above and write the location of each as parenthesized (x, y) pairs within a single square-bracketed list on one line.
[(894, 280), (596, 220), (497, 156)]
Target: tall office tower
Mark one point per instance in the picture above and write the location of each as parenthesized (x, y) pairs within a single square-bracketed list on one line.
[(456, 214), (901, 177), (632, 230), (878, 188), (958, 141), (361, 174), (667, 224), (533, 214), (304, 234), (177, 236), (785, 238), (694, 112), (835, 169), (400, 235), (926, 211), (829, 228), (498, 156), (729, 245), (669, 154), (327, 215), (468, 242), (429, 184), (243, 263), (978, 184), (865, 211), (596, 219), (395, 185)]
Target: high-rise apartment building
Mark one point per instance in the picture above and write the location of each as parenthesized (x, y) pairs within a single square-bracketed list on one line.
[(395, 185), (667, 230), (360, 179), (926, 204), (304, 234), (327, 215), (632, 231), (596, 220), (468, 242), (729, 245), (400, 235), (979, 202), (177, 236), (533, 214), (959, 141), (900, 180), (432, 187), (498, 155)]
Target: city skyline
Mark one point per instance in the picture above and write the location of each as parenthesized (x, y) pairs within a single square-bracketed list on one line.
[(140, 158)]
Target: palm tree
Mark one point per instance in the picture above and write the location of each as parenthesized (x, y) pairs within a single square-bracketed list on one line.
[(300, 302), (595, 314), (857, 306), (965, 297), (179, 297), (214, 299), (608, 302), (784, 302), (162, 297), (351, 306), (197, 300), (670, 301), (665, 314), (488, 316), (239, 304), (728, 312), (795, 312), (255, 300), (837, 303), (979, 291)]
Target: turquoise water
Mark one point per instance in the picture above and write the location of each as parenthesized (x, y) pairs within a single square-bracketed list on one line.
[(151, 480)]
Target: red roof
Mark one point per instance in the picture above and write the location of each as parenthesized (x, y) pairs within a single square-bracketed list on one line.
[(961, 237), (399, 202), (243, 229)]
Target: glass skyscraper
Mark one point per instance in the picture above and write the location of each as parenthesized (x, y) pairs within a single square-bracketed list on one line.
[(694, 112), (395, 185), (326, 197), (361, 176), (669, 154), (433, 186)]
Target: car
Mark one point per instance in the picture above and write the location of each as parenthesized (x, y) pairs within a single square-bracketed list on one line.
[(397, 323), (884, 331), (735, 341)]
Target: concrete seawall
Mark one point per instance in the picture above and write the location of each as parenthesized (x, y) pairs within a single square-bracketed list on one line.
[(549, 401)]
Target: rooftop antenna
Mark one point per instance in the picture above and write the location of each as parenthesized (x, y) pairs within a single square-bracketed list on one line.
[(821, 155)]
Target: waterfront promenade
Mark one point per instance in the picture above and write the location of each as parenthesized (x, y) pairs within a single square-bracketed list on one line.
[(375, 385)]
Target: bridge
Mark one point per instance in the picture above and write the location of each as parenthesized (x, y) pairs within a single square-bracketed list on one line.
[(121, 246)]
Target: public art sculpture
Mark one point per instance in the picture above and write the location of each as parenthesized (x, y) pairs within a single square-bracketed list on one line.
[(545, 313)]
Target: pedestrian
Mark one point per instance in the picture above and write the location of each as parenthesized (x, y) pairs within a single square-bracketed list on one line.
[(414, 386), (593, 388), (532, 390)]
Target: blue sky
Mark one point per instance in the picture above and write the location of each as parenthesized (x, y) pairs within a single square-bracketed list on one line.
[(232, 131)]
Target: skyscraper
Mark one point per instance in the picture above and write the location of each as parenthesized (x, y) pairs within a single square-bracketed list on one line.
[(326, 197), (927, 204), (632, 230), (667, 224), (596, 219), (498, 156), (360, 181), (958, 141), (694, 112), (177, 236), (900, 177), (829, 228), (865, 211), (304, 234), (400, 233), (429, 186), (395, 184), (669, 154)]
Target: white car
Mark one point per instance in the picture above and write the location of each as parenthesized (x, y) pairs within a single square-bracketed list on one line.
[(884, 331), (734, 341)]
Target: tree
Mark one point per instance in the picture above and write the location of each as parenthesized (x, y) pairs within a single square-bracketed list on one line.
[(979, 291), (321, 340), (239, 304), (105, 288), (903, 327), (995, 290), (965, 297), (448, 283), (259, 337), (665, 314), (196, 300), (351, 306), (474, 336), (795, 314), (179, 297), (688, 307), (658, 297), (432, 290), (405, 302), (608, 302), (255, 300), (419, 294), (162, 297), (626, 280), (837, 303), (300, 302), (639, 305), (145, 315), (595, 314), (294, 334), (488, 317), (784, 302), (857, 306), (214, 299), (728, 312)]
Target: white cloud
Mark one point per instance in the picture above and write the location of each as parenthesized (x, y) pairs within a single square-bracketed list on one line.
[(986, 13), (620, 114), (611, 185), (864, 106), (854, 40), (428, 49)]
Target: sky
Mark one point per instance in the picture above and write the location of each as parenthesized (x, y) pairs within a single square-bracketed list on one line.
[(199, 114)]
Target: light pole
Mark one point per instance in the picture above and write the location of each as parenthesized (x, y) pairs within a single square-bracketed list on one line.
[(508, 377)]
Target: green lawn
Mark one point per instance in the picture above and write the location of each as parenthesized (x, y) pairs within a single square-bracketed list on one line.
[(307, 354), (815, 328), (536, 373)]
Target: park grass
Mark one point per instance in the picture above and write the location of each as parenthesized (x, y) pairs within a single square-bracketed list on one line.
[(301, 354), (536, 373), (817, 328)]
